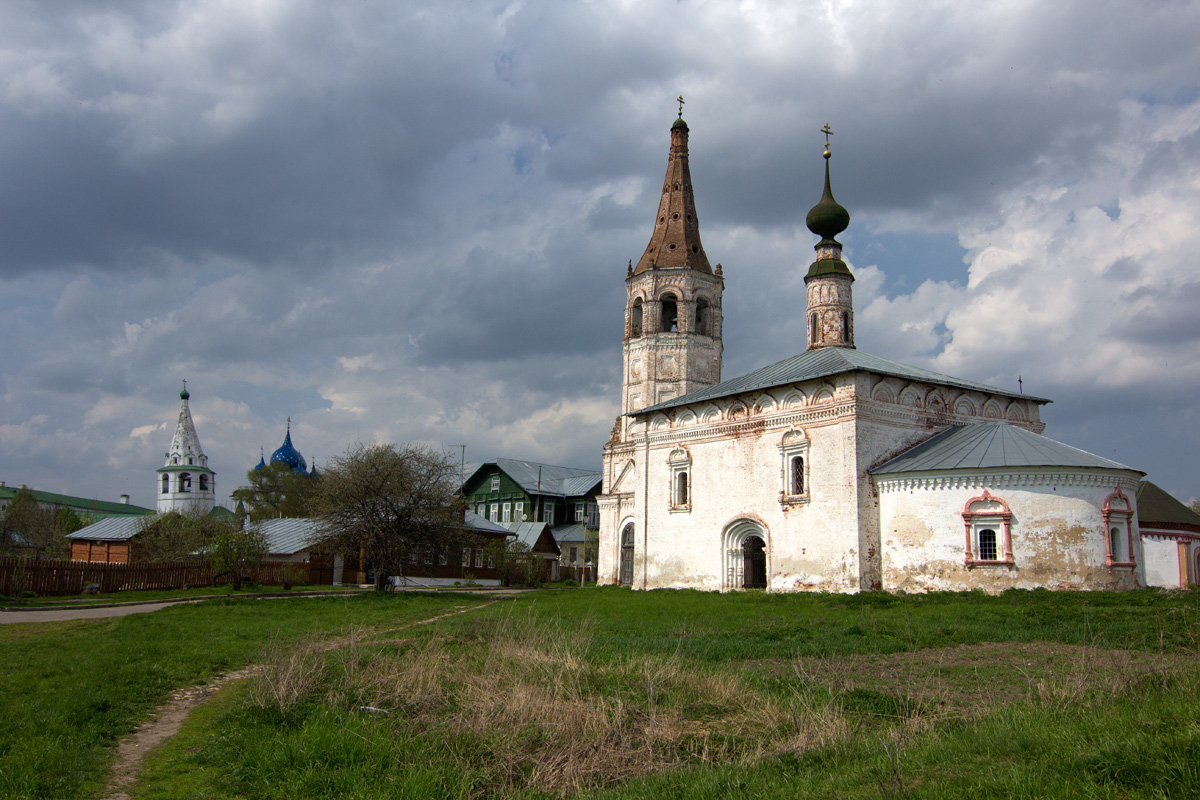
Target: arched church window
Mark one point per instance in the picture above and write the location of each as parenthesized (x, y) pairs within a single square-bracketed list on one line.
[(204, 483), (845, 327), (185, 481), (166, 484), (797, 475), (812, 327), (1114, 544), (669, 316), (635, 317), (681, 489), (702, 318)]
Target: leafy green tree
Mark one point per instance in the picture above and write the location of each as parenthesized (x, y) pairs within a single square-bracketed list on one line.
[(278, 491), (236, 554), (28, 528), (172, 536), (515, 561), (385, 500), (67, 520)]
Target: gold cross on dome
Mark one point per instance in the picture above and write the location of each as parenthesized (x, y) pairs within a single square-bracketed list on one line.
[(680, 99), (828, 132)]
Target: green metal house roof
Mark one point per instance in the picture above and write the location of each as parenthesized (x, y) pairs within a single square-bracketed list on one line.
[(544, 479), (98, 508)]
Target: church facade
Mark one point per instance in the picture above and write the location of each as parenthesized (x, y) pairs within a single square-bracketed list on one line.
[(833, 470)]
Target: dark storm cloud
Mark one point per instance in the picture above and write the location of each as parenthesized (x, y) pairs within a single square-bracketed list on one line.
[(412, 220)]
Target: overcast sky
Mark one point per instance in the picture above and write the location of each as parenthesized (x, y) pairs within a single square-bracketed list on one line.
[(410, 221)]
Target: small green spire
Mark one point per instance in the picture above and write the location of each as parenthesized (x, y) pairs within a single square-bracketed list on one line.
[(184, 394)]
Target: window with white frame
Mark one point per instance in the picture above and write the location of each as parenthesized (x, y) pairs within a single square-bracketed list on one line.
[(519, 511), (680, 465), (478, 557), (507, 513), (495, 483), (491, 560), (442, 556), (793, 449), (987, 523), (580, 512), (466, 557), (494, 514), (548, 513)]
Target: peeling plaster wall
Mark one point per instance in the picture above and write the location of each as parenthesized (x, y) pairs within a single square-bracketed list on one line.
[(1058, 531)]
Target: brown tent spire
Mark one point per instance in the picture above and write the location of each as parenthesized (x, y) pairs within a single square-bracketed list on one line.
[(675, 241)]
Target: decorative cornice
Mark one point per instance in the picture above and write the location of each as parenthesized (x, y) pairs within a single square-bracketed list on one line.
[(1004, 478)]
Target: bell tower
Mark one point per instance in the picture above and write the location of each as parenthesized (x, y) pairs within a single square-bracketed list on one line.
[(830, 298), (185, 483), (672, 342)]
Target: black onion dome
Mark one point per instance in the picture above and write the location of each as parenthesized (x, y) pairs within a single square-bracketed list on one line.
[(827, 218)]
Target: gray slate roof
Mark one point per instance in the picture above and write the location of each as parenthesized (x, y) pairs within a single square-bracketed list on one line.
[(113, 529), (823, 363), (530, 532), (478, 523), (555, 480), (288, 536), (990, 445), (576, 532)]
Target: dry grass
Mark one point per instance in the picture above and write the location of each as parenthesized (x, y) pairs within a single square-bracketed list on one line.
[(526, 702)]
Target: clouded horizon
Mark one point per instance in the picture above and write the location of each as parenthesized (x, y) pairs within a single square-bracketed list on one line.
[(410, 222)]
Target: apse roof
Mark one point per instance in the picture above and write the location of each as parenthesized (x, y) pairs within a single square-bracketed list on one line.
[(1155, 506), (823, 363), (991, 445)]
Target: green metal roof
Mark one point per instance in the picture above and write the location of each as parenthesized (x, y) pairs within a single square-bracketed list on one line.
[(823, 363), (1156, 507), (989, 445), (99, 508)]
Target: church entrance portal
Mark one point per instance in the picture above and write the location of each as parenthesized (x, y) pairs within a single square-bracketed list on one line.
[(754, 559), (626, 576)]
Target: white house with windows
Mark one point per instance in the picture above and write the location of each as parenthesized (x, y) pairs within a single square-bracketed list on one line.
[(185, 483), (833, 470)]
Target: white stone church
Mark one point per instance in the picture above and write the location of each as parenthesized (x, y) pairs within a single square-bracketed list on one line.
[(833, 470)]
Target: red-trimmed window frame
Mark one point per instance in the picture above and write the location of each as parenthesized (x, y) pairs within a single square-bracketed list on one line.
[(1112, 514), (969, 519)]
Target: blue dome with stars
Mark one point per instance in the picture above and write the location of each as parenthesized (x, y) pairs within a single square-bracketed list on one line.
[(287, 454)]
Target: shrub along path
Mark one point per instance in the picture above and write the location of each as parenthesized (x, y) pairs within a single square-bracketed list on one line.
[(169, 718)]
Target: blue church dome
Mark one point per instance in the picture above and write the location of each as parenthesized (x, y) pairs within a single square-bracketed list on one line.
[(262, 461), (286, 454)]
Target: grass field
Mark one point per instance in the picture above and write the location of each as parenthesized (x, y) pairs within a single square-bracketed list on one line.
[(607, 693)]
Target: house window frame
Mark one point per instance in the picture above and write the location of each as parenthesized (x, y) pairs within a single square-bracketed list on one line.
[(1119, 518), (495, 483), (519, 511), (506, 513), (493, 512), (580, 512), (997, 517), (478, 558), (442, 556), (466, 559), (795, 444), (679, 464)]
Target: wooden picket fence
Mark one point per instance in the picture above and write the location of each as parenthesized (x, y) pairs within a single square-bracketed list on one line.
[(56, 577)]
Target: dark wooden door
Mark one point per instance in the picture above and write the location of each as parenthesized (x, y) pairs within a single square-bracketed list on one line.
[(754, 562), (626, 576)]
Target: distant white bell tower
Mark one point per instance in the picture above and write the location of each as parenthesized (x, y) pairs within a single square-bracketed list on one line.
[(185, 483)]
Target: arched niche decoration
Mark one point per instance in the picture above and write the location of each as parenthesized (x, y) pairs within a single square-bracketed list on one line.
[(686, 417), (659, 422), (964, 407), (992, 410), (737, 410), (1015, 412), (882, 393), (912, 397), (982, 515), (1118, 530), (824, 394), (793, 399)]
